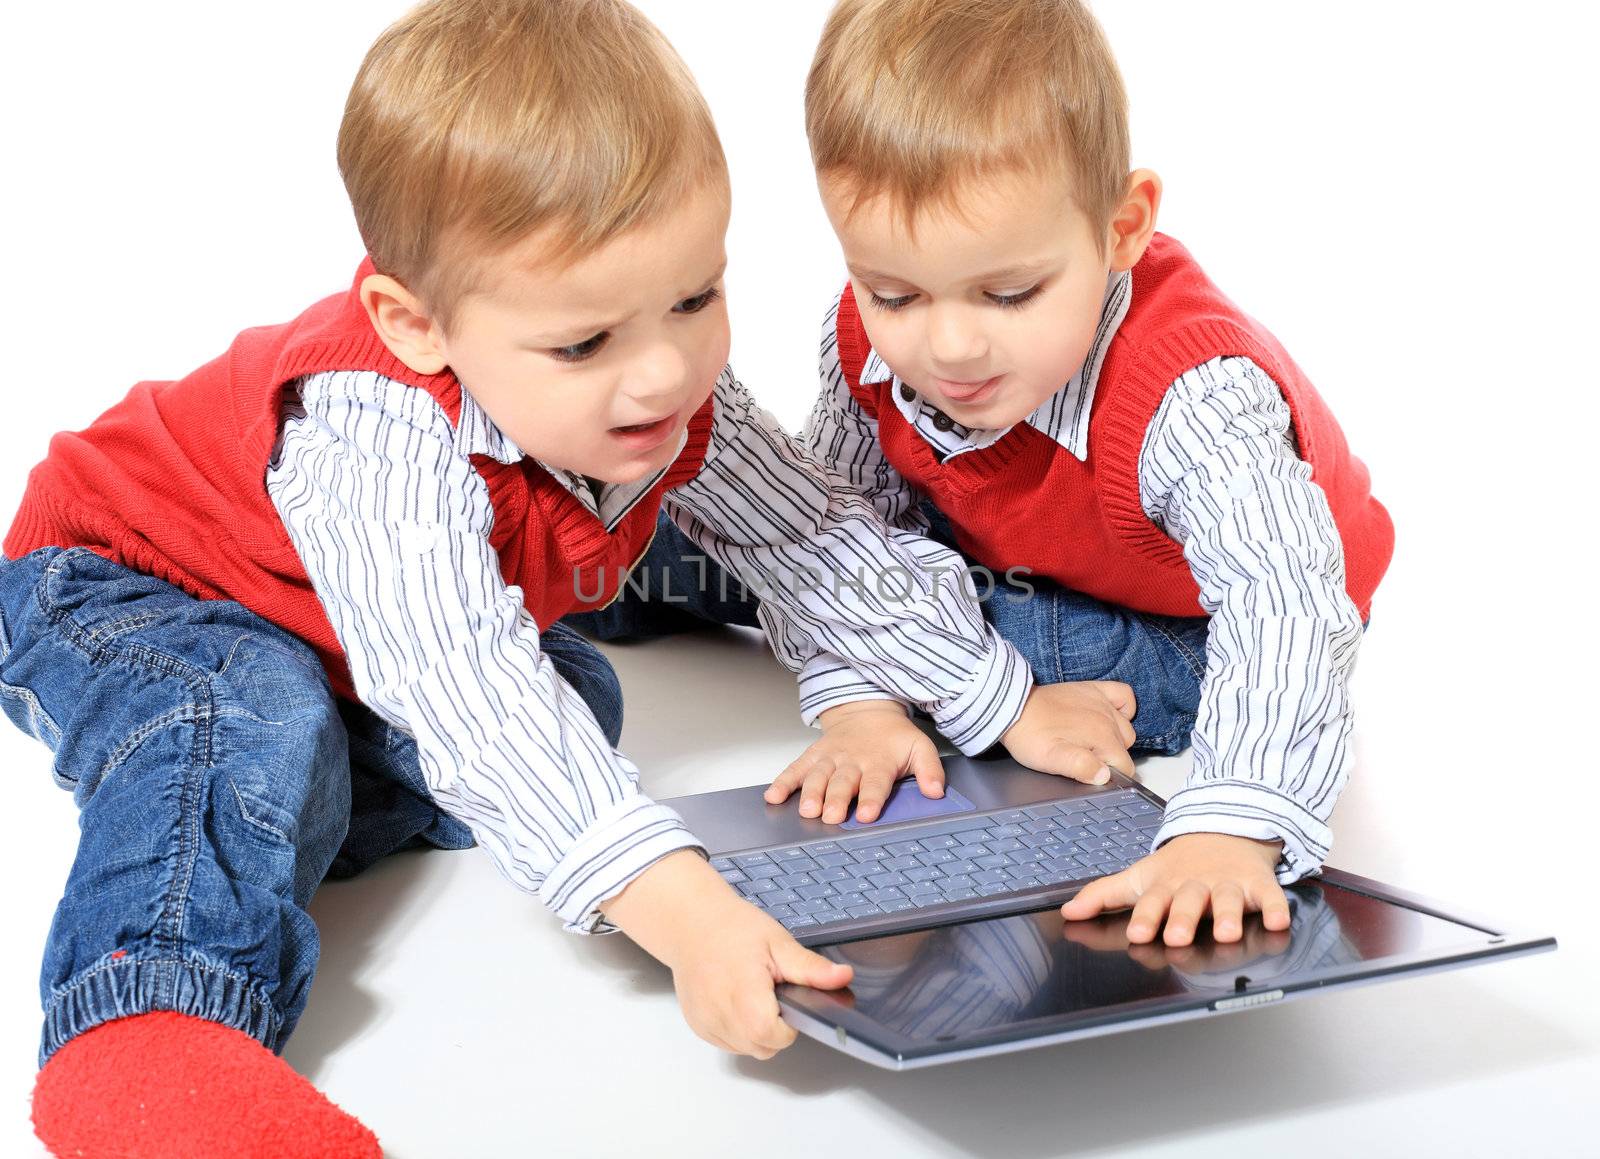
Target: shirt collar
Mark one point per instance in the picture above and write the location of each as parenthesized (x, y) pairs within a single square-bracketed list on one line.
[(478, 434), (1064, 416)]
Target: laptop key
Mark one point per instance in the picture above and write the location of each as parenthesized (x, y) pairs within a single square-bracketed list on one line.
[(882, 880), (994, 861), (902, 847), (901, 863), (722, 864), (847, 900), (790, 880), (832, 874), (834, 859), (993, 888), (967, 851), (989, 877), (866, 910), (936, 857), (745, 860), (777, 897), (888, 893), (922, 873), (814, 891), (959, 893)]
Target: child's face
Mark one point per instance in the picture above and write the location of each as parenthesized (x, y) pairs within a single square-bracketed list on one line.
[(597, 367), (987, 311)]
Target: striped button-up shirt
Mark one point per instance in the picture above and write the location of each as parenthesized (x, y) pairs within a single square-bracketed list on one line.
[(391, 520), (1219, 473)]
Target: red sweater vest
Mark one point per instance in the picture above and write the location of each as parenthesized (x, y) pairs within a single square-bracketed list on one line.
[(1027, 502), (171, 482)]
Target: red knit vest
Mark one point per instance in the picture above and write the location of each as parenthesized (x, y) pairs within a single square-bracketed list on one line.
[(171, 482), (1028, 502)]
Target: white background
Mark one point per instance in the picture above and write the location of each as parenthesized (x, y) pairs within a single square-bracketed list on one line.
[(1403, 191)]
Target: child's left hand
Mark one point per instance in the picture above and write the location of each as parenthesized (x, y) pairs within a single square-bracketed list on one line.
[(1187, 876), (865, 748)]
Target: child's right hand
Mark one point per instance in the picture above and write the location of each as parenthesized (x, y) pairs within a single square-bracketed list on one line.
[(726, 956), (1078, 729)]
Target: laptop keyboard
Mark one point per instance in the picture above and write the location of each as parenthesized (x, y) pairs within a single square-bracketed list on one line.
[(870, 874)]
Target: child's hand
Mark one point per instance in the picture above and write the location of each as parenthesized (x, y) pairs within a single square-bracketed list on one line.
[(726, 956), (865, 748), (1185, 877), (1078, 730)]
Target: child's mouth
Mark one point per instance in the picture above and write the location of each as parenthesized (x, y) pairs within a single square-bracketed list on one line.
[(967, 392), (644, 436)]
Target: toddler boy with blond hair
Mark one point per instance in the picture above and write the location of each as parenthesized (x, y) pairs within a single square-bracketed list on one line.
[(301, 607), (1021, 367)]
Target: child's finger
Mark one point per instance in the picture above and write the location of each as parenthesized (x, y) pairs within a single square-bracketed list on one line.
[(1120, 695), (791, 778), (1148, 913), (1269, 898), (874, 791), (816, 784), (927, 768), (1188, 906), (1115, 757), (841, 791), (1073, 761), (1105, 893), (794, 963), (1227, 912)]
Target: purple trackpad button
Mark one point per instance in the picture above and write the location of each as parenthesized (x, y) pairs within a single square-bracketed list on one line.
[(907, 803)]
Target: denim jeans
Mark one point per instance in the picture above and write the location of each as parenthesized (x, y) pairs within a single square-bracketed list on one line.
[(218, 780), (1064, 635)]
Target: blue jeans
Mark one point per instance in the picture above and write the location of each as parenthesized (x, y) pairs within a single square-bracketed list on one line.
[(1064, 635), (218, 780)]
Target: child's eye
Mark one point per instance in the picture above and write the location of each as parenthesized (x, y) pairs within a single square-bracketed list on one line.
[(1012, 301), (579, 351), (699, 302), (890, 303)]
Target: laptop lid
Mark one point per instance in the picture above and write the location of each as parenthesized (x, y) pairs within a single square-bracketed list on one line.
[(994, 985)]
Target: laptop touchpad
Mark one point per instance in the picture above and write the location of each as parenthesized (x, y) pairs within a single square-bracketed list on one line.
[(907, 803)]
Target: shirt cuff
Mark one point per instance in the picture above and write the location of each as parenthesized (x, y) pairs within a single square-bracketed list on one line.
[(621, 843), (976, 718), (827, 682), (1248, 809)]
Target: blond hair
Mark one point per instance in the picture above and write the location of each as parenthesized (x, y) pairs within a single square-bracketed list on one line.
[(474, 123), (908, 98)]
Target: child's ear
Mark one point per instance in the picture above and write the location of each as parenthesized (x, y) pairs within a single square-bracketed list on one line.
[(1135, 219), (400, 321)]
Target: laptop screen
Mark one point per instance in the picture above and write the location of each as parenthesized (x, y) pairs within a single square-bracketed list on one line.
[(999, 979)]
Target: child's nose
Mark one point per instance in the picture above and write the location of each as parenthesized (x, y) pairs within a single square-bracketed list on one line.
[(660, 370), (954, 337)]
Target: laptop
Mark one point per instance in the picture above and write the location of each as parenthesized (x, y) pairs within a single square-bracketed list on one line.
[(947, 911)]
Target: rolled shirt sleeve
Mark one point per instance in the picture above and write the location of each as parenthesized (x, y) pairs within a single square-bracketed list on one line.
[(849, 603), (392, 521), (1219, 473)]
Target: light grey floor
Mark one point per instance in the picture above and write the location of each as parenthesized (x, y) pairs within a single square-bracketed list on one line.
[(458, 1020)]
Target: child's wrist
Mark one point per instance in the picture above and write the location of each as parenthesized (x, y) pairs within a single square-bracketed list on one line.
[(832, 716), (668, 906)]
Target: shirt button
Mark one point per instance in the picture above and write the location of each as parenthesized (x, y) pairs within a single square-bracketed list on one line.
[(943, 421), (907, 393)]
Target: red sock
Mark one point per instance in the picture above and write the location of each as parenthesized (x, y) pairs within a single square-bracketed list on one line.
[(166, 1084)]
